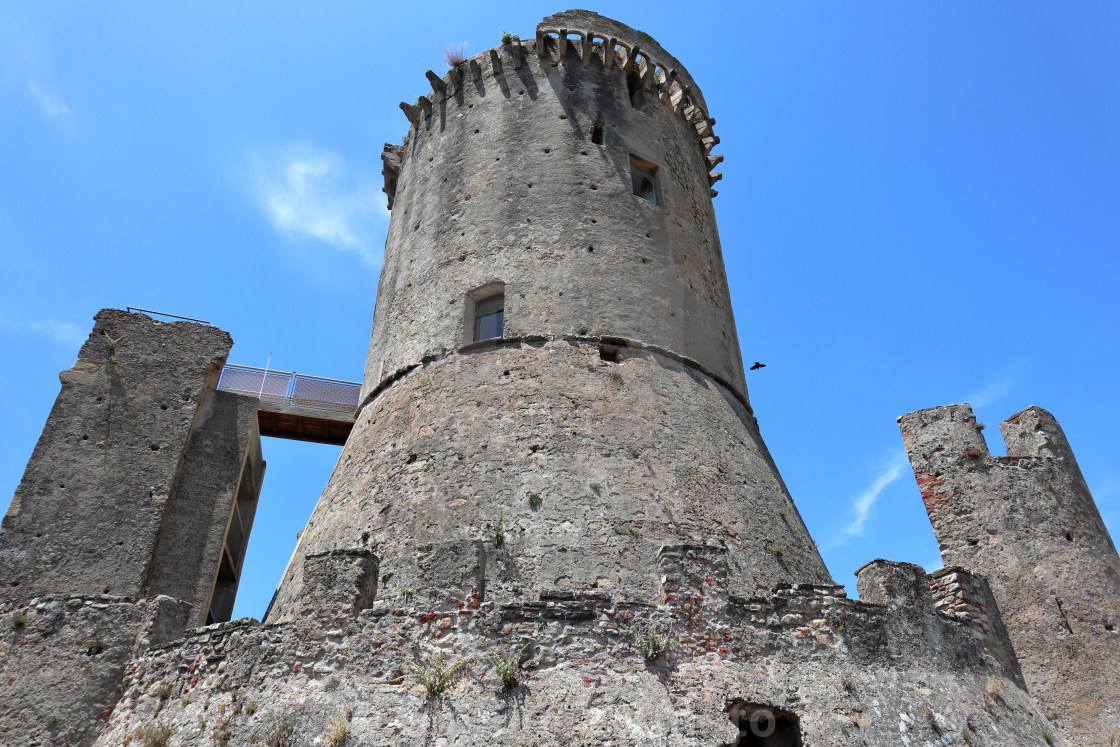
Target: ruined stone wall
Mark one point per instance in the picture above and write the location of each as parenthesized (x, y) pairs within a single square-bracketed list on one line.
[(967, 598), (842, 672), (63, 660), (1028, 524), (85, 516)]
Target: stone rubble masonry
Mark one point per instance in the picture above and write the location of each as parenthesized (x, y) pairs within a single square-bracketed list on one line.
[(853, 672), (1028, 524), (61, 667), (967, 598), (590, 465), (85, 517)]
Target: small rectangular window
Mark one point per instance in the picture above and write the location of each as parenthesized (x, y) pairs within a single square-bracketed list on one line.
[(488, 317), (643, 176)]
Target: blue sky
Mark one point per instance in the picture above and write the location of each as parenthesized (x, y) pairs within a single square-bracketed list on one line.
[(920, 206)]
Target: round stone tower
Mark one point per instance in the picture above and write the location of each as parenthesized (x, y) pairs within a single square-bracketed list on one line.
[(554, 391)]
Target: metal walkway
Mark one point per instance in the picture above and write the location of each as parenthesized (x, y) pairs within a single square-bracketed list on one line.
[(304, 408)]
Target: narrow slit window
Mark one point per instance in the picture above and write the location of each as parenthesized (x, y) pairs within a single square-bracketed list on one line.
[(597, 133), (489, 314), (643, 176)]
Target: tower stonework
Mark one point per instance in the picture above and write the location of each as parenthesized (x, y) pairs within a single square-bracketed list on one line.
[(1028, 524), (522, 183), (554, 522)]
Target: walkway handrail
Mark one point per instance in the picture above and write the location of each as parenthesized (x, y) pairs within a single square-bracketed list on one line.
[(290, 388)]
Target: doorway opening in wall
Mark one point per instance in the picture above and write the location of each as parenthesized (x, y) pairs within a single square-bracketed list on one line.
[(297, 473), (763, 725)]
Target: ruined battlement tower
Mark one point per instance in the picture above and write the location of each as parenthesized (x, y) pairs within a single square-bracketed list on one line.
[(1028, 524), (602, 412)]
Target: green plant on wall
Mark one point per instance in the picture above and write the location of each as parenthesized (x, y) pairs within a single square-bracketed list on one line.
[(498, 536)]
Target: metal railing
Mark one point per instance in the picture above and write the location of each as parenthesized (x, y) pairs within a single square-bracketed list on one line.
[(290, 388)]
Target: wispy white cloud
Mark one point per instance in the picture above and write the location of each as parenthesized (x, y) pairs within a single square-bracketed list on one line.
[(992, 392), (52, 105), (308, 193), (64, 333), (894, 468)]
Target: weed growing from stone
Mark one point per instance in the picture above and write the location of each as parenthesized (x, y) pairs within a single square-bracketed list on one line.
[(653, 644), (53, 721), (509, 666), (338, 732), (221, 733), (506, 37), (455, 55), (433, 674), (498, 536), (386, 576), (994, 688), (18, 621), (407, 592), (534, 500), (152, 735), (282, 733), (1048, 737), (163, 692)]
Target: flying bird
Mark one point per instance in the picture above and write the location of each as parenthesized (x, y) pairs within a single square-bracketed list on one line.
[(757, 366)]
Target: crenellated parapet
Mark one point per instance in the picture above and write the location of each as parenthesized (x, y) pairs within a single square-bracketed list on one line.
[(575, 39), (1028, 524)]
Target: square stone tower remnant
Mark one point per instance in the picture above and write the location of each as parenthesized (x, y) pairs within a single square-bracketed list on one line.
[(554, 522)]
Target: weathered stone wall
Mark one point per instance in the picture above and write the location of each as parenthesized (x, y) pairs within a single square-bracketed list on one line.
[(85, 517), (504, 183), (223, 452), (847, 672), (590, 465), (967, 599), (63, 659), (1028, 524)]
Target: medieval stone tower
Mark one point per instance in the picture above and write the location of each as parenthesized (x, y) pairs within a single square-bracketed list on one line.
[(554, 521), (553, 345)]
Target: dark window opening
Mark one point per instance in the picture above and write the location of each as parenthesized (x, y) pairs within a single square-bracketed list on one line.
[(608, 353), (489, 317), (643, 177), (1069, 537), (597, 133), (764, 726), (634, 87)]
